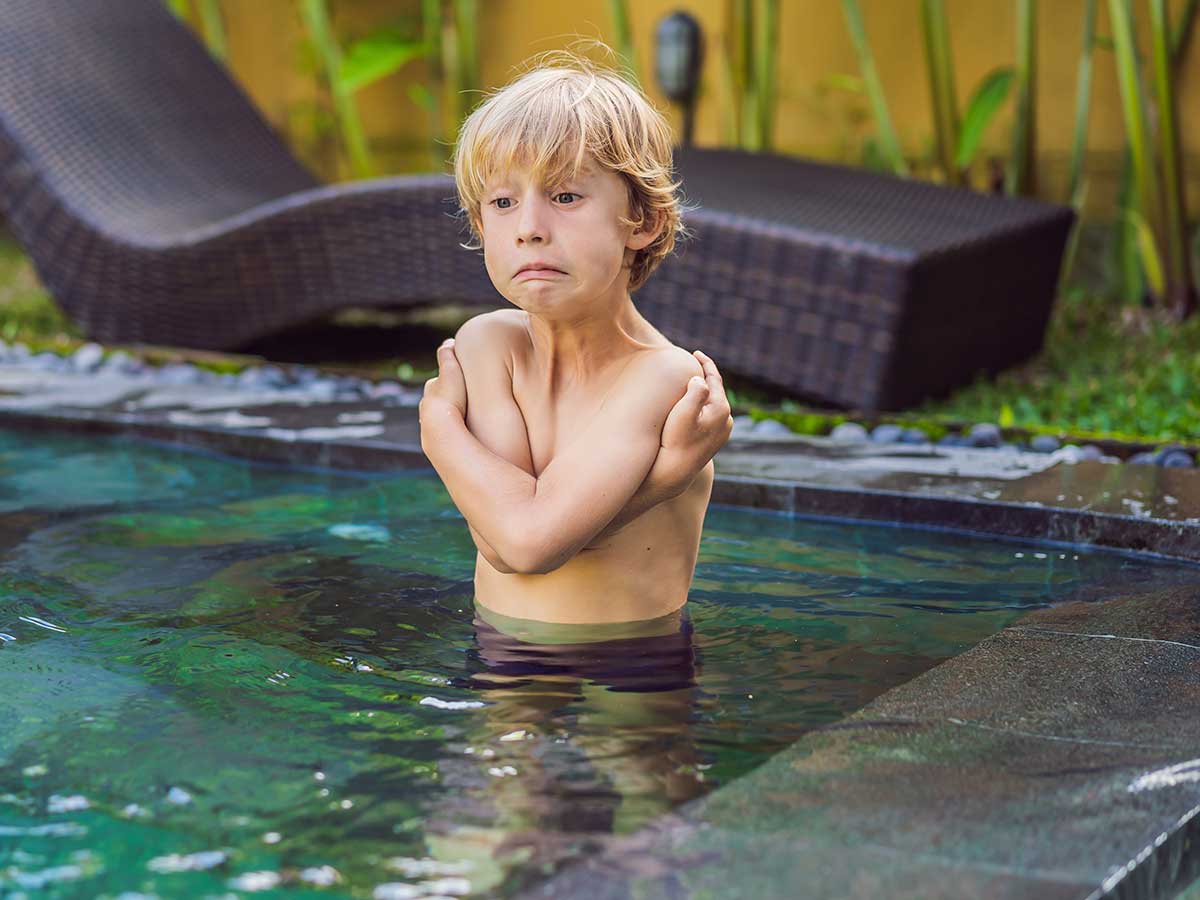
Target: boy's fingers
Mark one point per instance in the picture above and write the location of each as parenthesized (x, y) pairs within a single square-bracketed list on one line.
[(697, 393), (710, 368)]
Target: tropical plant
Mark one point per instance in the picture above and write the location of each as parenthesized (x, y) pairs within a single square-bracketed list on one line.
[(957, 139), (1156, 213), (1181, 291), (446, 37), (747, 70), (1076, 184), (212, 24), (887, 144), (1020, 177), (618, 11)]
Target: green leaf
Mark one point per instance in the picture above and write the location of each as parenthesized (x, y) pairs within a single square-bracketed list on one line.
[(1006, 418), (422, 96), (1152, 263), (844, 82), (989, 96), (377, 56)]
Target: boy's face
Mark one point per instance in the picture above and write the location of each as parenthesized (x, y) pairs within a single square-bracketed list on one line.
[(572, 227)]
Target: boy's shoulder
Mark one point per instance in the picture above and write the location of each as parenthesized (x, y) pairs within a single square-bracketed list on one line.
[(497, 331), (496, 322), (669, 362)]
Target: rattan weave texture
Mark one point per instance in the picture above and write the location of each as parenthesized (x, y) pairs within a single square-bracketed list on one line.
[(157, 205), (851, 287)]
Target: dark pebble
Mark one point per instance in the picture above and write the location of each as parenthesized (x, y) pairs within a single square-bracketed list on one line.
[(985, 434), (886, 434), (1044, 443)]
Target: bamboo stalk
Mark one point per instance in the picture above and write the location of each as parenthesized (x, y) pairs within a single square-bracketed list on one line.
[(750, 139), (1181, 37), (888, 142), (1130, 284), (1083, 92), (1022, 170), (466, 15), (766, 44), (940, 66), (1181, 293), (213, 26), (431, 33), (1144, 178), (315, 15), (618, 11)]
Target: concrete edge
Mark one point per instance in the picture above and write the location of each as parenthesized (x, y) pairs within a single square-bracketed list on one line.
[(1155, 537)]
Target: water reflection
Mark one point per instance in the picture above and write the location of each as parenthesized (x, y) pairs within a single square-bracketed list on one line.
[(587, 731)]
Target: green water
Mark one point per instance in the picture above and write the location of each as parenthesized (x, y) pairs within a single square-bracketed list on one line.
[(219, 679)]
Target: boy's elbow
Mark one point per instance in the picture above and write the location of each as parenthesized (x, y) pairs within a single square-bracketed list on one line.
[(533, 555)]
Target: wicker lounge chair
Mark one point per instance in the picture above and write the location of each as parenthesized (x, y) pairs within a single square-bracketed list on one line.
[(158, 206), (854, 288)]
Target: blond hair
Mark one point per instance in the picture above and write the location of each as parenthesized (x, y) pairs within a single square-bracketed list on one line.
[(550, 119)]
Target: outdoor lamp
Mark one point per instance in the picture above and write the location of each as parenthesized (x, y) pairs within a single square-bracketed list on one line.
[(678, 48)]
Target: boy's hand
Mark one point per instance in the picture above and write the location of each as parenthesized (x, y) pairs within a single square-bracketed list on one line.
[(449, 386), (696, 428)]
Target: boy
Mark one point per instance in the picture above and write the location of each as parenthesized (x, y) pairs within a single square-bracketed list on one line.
[(582, 460)]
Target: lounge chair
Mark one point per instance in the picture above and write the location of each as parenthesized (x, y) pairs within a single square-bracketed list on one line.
[(851, 287), (157, 206)]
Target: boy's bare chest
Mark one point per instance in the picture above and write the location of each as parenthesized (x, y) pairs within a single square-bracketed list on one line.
[(554, 422)]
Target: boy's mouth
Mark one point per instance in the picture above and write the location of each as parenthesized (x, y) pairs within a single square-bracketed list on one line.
[(538, 269)]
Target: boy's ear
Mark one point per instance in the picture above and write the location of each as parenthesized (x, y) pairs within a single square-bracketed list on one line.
[(647, 233)]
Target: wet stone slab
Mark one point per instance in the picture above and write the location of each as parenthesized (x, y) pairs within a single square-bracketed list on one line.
[(1043, 763)]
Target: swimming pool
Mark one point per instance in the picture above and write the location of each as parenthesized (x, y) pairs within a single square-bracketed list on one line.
[(218, 677)]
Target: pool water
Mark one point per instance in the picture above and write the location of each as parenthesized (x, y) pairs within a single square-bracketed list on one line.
[(224, 679)]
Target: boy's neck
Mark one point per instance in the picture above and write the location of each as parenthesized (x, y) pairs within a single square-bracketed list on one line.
[(572, 352)]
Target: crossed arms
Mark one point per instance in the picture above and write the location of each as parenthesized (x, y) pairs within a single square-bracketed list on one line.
[(642, 448)]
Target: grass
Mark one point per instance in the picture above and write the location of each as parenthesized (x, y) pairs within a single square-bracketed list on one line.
[(26, 314), (1116, 372), (1107, 372)]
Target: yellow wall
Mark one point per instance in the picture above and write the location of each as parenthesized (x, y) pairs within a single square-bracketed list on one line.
[(812, 119)]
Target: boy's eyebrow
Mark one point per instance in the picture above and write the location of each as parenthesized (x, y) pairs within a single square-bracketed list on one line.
[(495, 182)]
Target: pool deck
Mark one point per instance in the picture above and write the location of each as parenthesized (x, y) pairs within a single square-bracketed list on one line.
[(1058, 758)]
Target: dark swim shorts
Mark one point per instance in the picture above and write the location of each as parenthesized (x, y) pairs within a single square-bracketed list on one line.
[(634, 664)]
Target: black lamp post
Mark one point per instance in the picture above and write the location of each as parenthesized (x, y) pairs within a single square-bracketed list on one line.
[(678, 50)]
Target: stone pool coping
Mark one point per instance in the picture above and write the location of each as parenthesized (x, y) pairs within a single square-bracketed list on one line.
[(1148, 509), (1006, 771)]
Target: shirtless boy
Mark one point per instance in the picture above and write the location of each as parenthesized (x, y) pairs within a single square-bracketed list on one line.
[(574, 438)]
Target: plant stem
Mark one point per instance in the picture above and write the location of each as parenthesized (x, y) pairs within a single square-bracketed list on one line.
[(1022, 170), (888, 142), (1181, 294), (940, 65), (1145, 181), (766, 43), (316, 19), (618, 11), (1083, 93), (213, 26)]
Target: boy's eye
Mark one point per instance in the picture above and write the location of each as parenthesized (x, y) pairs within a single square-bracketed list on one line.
[(507, 201)]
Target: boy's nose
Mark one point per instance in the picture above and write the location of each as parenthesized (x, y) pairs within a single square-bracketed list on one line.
[(532, 225)]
